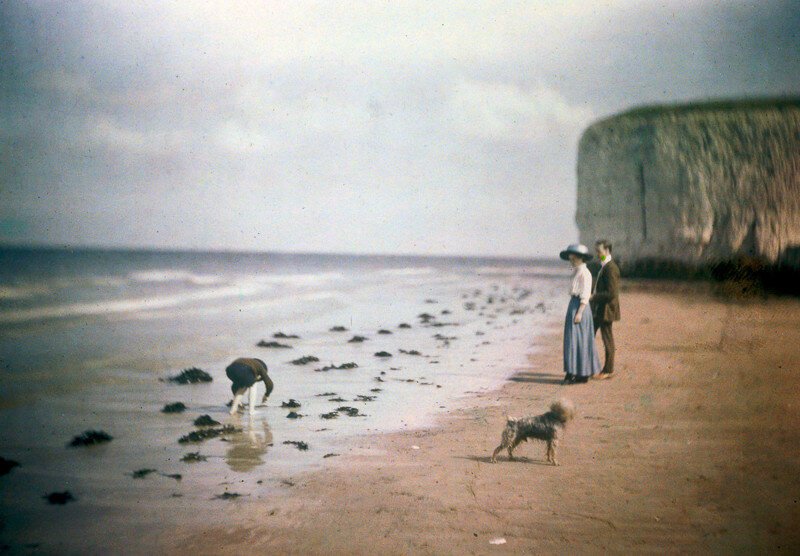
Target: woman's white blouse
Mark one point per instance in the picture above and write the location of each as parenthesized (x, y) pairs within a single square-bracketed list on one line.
[(581, 283)]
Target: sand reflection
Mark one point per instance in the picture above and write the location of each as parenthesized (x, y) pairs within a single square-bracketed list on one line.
[(247, 448)]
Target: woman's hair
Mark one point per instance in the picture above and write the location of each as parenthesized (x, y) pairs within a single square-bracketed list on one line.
[(605, 243)]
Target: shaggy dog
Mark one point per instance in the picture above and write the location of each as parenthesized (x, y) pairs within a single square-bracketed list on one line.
[(548, 427)]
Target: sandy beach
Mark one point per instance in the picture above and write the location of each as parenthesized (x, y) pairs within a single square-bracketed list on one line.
[(692, 447)]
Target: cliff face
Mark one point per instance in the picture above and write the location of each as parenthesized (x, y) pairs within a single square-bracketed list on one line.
[(694, 184)]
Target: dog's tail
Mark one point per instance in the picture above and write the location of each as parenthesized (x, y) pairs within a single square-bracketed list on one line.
[(563, 409)]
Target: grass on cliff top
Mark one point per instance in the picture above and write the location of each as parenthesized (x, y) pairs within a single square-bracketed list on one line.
[(713, 106)]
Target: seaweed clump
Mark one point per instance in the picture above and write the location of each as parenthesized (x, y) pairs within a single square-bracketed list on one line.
[(6, 465), (194, 457), (227, 496), (292, 403), (350, 365), (191, 376), (59, 498), (299, 444), (265, 344), (177, 407), (350, 411), (90, 438), (305, 359), (205, 421), (205, 434)]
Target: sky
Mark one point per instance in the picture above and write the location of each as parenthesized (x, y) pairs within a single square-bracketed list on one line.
[(432, 128)]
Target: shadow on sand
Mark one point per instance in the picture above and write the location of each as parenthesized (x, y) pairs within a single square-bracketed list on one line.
[(503, 458), (539, 378)]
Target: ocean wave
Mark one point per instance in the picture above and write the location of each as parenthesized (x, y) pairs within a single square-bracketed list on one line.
[(172, 275), (524, 270), (408, 271), (139, 304), (290, 279), (22, 292)]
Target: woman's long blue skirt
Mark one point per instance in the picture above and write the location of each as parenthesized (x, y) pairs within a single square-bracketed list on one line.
[(580, 353)]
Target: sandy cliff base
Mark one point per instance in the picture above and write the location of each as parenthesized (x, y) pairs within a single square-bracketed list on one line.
[(693, 446)]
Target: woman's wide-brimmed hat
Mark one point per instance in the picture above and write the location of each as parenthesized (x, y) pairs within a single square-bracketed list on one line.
[(576, 249)]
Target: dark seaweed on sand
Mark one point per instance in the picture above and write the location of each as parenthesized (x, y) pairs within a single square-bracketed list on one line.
[(338, 329), (59, 498), (350, 365), (330, 455), (357, 340), (404, 325), (305, 359), (292, 403), (383, 354), (299, 444), (293, 415), (205, 421), (191, 376), (176, 476), (265, 344), (6, 465), (324, 394), (177, 407), (331, 415), (350, 411), (363, 398), (227, 496), (412, 352), (337, 399), (205, 434), (282, 336), (384, 331), (142, 473), (90, 438), (193, 457)]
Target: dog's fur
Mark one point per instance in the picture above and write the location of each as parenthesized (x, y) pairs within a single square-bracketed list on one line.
[(548, 427)]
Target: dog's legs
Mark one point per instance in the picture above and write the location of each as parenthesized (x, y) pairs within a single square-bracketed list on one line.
[(551, 451), (497, 451), (512, 447)]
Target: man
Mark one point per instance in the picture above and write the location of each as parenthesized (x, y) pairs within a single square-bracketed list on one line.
[(605, 303)]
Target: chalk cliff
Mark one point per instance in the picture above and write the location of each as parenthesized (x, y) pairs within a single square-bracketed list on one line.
[(694, 184)]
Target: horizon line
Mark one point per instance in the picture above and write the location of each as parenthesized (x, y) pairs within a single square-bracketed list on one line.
[(134, 248)]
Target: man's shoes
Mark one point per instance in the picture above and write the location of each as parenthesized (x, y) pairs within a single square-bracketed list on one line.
[(581, 380), (603, 375), (568, 379)]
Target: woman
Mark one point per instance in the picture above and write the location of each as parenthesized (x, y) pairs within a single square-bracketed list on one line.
[(580, 354)]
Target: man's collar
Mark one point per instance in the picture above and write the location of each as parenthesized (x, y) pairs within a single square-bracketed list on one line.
[(605, 262)]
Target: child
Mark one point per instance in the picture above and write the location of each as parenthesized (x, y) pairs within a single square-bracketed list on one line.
[(244, 373)]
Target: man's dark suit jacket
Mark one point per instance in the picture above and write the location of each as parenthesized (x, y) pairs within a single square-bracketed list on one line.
[(605, 303)]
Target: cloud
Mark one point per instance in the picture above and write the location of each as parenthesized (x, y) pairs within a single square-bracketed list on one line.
[(104, 132), (498, 111)]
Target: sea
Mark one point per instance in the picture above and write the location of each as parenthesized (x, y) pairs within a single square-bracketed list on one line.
[(90, 337)]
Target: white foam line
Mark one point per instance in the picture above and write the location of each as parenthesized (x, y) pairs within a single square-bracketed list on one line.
[(126, 305)]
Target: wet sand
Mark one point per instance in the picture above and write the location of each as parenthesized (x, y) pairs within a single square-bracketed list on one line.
[(692, 447)]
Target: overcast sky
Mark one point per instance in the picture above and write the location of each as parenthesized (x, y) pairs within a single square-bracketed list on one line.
[(375, 127)]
